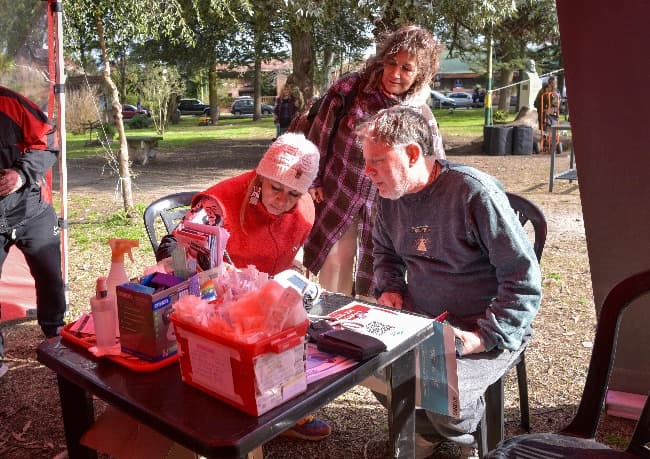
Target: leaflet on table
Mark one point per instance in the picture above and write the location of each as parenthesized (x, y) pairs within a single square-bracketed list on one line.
[(436, 376), (322, 364), (202, 245), (390, 326)]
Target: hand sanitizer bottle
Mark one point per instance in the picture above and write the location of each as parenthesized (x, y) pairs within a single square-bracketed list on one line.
[(117, 274), (104, 316)]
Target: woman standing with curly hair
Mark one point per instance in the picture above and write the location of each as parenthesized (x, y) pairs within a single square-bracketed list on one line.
[(399, 74)]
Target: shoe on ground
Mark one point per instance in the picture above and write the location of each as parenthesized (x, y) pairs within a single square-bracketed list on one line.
[(423, 447), (3, 368), (309, 428)]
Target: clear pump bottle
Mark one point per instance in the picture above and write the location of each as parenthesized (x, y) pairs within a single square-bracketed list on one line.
[(104, 317), (117, 274)]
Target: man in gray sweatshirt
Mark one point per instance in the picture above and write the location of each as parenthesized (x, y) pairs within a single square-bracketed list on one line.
[(446, 239)]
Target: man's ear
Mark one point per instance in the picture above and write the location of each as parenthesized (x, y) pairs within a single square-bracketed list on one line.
[(414, 152)]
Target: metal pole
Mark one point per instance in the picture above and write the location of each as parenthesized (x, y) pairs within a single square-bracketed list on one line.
[(57, 9), (488, 95)]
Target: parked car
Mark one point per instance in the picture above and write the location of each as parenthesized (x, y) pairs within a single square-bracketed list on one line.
[(462, 99), (192, 107), (439, 100), (129, 111), (245, 106)]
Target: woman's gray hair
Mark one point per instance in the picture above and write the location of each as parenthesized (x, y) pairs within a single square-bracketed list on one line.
[(418, 42), (398, 125)]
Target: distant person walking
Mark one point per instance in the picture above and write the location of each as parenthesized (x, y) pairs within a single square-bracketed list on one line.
[(547, 104), (286, 107)]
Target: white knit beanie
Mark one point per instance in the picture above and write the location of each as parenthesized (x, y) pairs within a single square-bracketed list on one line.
[(291, 160)]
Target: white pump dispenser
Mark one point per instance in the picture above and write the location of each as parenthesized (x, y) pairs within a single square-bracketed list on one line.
[(117, 274), (104, 316)]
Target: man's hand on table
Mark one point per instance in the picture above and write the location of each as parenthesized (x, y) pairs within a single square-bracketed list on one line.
[(472, 341), (392, 299)]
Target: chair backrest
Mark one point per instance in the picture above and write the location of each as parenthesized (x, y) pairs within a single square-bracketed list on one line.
[(585, 422), (528, 212), (170, 209), (641, 438)]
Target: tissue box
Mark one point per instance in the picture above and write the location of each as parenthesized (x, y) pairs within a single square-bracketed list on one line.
[(145, 328), (252, 377)]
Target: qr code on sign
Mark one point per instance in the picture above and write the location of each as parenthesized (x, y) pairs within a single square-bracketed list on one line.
[(378, 328)]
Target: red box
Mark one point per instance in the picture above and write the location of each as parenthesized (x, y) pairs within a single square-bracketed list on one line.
[(253, 377)]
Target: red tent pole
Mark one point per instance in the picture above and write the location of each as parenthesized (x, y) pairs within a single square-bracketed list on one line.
[(56, 107)]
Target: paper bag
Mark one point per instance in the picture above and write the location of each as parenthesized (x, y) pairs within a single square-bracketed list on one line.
[(436, 382)]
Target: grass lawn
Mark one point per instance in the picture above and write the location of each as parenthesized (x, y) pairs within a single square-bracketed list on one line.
[(463, 122), (185, 134), (188, 133)]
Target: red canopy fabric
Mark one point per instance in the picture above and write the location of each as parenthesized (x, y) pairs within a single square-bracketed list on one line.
[(17, 294)]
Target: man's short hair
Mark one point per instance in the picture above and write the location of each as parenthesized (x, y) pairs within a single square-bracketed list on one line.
[(398, 125)]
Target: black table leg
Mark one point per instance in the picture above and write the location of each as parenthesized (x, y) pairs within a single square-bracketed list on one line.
[(400, 377), (78, 416)]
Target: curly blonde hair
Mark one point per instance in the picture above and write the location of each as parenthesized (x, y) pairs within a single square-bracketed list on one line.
[(418, 42)]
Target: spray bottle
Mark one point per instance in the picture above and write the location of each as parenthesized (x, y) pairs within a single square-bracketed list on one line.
[(104, 317), (117, 274)]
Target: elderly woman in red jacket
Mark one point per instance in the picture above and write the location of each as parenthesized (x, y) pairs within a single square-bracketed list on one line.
[(267, 211), (269, 214)]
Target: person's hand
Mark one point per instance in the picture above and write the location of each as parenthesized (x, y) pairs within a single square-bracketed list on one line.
[(10, 181), (317, 194), (392, 299), (472, 341)]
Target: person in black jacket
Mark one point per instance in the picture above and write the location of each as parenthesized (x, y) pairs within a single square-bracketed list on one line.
[(28, 148), (286, 107)]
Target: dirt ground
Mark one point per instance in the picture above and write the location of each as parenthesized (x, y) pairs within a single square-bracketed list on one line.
[(557, 359)]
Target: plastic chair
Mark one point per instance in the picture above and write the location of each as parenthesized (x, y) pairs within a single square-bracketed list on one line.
[(170, 209), (490, 429), (577, 439)]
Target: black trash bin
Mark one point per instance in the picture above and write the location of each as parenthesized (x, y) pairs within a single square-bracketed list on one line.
[(498, 140), (487, 131), (522, 140)]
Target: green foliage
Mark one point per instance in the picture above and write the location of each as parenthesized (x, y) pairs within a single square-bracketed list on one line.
[(109, 130), (161, 86), (616, 440), (17, 25), (94, 228), (499, 116), (268, 84), (140, 122)]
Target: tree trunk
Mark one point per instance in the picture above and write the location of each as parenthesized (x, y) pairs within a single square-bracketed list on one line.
[(122, 68), (326, 79), (504, 97), (302, 56), (214, 99), (257, 87), (123, 154)]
